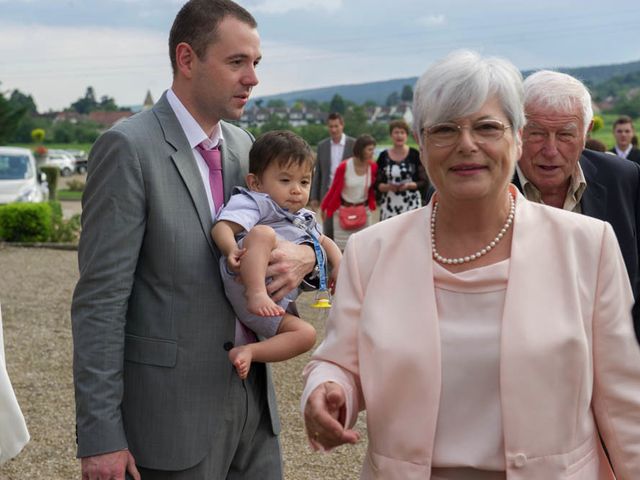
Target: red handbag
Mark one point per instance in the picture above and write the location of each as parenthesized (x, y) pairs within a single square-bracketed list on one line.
[(352, 218)]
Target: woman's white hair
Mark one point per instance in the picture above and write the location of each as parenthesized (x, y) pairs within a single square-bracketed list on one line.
[(558, 92), (459, 84)]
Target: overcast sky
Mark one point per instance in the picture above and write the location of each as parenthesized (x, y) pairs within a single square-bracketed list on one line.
[(54, 49)]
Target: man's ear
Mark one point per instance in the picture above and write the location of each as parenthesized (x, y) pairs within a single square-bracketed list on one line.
[(253, 182), (590, 126), (185, 57)]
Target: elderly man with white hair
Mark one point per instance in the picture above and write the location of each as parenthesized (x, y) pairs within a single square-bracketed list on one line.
[(554, 168)]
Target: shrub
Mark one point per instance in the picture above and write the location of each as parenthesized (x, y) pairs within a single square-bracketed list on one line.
[(52, 174), (63, 231), (26, 222), (75, 185), (37, 135)]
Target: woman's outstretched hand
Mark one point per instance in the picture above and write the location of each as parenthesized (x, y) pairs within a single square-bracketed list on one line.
[(324, 418)]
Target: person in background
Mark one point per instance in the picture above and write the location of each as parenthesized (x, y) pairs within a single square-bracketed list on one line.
[(156, 395), (624, 133), (331, 152), (487, 337), (13, 429), (556, 170), (353, 185), (401, 178)]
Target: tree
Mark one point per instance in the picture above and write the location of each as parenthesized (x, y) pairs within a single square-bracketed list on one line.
[(87, 103), (392, 99), (21, 100), (312, 133), (355, 121), (407, 94), (10, 117), (107, 104), (598, 123), (337, 105), (37, 135), (276, 103)]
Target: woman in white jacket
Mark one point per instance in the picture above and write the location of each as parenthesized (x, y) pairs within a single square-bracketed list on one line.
[(13, 430)]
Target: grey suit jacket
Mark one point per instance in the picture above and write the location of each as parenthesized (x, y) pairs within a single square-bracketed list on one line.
[(322, 174), (149, 315)]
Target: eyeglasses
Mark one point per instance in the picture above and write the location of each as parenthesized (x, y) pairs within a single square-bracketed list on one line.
[(448, 133), (534, 134)]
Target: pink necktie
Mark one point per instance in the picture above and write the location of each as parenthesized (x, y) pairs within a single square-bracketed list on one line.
[(213, 161)]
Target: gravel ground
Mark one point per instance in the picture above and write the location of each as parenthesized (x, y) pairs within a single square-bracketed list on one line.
[(35, 293)]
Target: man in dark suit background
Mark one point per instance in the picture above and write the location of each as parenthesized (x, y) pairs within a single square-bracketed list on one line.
[(623, 132), (555, 170), (331, 151), (156, 394)]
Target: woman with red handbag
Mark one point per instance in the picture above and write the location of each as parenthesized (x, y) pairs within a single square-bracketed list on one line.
[(352, 194)]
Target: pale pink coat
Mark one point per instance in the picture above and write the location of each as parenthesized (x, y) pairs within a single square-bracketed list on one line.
[(569, 358)]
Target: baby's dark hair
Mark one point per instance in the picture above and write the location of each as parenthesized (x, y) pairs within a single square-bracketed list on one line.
[(281, 146)]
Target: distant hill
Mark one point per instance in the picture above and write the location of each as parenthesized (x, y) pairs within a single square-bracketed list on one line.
[(379, 91)]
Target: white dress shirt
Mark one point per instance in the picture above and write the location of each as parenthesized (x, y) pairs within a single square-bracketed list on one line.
[(337, 152)]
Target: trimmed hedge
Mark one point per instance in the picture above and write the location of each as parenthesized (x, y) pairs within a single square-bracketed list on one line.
[(52, 174), (26, 222)]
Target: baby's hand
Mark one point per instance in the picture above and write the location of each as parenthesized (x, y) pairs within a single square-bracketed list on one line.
[(233, 259)]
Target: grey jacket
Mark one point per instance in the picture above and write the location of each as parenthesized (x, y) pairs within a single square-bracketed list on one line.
[(151, 324)]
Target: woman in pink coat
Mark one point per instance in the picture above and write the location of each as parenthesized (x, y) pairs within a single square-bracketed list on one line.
[(487, 337)]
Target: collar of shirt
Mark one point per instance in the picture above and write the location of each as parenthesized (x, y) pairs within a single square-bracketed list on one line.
[(623, 153), (192, 129), (577, 186), (342, 141)]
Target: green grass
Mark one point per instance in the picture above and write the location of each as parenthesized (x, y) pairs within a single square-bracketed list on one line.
[(58, 146), (68, 195)]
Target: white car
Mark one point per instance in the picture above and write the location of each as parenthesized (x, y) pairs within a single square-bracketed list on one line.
[(20, 180), (61, 159)]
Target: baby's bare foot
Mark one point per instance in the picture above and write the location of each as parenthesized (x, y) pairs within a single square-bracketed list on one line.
[(241, 359), (261, 304)]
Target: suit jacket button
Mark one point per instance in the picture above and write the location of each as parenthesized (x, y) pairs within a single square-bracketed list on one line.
[(227, 346), (520, 460)]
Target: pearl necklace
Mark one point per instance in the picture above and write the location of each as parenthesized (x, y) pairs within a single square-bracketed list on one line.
[(483, 251)]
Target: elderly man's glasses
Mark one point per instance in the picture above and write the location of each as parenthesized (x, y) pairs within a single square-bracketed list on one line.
[(449, 133)]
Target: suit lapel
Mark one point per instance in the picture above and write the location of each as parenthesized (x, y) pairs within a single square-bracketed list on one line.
[(185, 164), (594, 198)]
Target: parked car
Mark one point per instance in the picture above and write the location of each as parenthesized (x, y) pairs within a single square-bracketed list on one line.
[(61, 159), (81, 160), (20, 180)]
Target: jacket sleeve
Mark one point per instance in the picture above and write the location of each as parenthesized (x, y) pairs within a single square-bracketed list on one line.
[(113, 226), (381, 176), (616, 361), (371, 197), (331, 201), (337, 359), (316, 182)]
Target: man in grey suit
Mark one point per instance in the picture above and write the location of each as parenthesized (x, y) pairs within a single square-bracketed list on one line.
[(156, 395), (331, 151)]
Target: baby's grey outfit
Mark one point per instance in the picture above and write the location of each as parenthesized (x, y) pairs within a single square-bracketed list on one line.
[(247, 208)]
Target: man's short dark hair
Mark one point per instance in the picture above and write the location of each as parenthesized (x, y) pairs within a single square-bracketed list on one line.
[(362, 142), (197, 24), (281, 146), (623, 119), (335, 116)]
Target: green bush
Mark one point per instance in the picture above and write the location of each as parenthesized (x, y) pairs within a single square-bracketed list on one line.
[(63, 231), (52, 174), (26, 222)]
